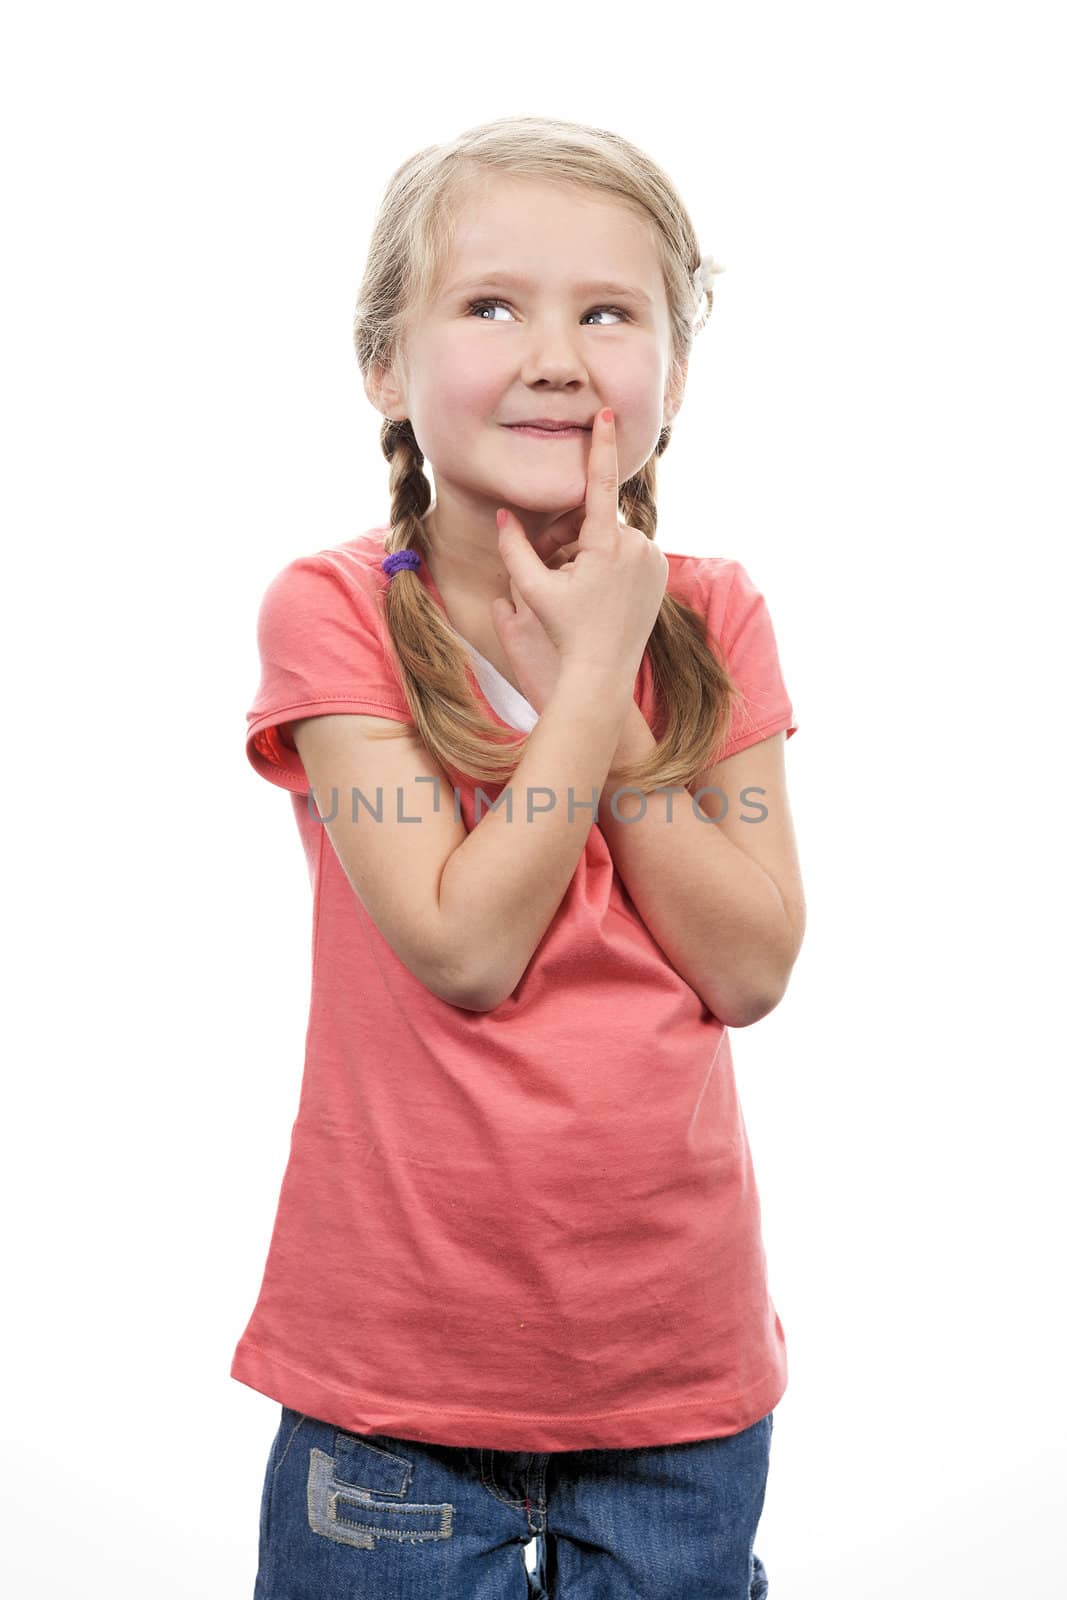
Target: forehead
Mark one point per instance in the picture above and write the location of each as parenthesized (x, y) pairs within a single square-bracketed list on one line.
[(503, 278), (527, 234)]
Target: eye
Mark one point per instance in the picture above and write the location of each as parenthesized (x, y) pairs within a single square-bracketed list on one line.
[(479, 305)]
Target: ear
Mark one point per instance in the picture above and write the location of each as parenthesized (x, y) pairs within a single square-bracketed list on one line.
[(672, 398), (384, 393)]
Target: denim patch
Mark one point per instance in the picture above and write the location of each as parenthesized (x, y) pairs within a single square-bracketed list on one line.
[(355, 1497)]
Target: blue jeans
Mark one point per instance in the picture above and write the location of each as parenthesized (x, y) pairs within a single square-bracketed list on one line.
[(348, 1516)]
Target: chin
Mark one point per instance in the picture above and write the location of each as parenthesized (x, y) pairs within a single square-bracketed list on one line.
[(558, 506), (544, 491)]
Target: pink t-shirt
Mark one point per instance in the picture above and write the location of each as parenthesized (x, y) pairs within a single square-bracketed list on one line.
[(533, 1228)]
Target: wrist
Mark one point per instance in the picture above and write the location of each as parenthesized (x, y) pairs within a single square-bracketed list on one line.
[(636, 743), (597, 683)]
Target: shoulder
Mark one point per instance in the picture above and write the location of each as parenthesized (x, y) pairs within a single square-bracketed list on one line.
[(738, 624), (324, 650), (323, 613), (350, 569), (706, 583)]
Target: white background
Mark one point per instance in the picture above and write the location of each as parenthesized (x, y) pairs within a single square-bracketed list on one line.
[(874, 426)]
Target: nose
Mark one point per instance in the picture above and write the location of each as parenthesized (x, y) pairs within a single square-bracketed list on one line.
[(551, 354)]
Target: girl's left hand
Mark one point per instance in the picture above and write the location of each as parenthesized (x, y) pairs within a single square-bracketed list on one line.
[(533, 656)]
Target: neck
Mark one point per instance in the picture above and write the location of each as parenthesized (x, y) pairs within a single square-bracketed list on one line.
[(466, 563)]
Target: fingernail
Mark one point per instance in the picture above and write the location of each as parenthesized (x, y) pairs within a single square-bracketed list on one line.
[(607, 414), (501, 518)]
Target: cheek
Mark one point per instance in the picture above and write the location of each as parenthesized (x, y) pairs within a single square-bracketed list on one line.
[(463, 376), (636, 387)]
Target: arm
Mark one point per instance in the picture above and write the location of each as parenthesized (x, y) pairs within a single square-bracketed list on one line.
[(722, 899), (464, 911), (501, 888)]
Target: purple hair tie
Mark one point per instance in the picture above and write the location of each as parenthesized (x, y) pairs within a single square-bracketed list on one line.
[(401, 558)]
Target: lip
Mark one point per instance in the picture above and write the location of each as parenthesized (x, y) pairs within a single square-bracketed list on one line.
[(533, 431)]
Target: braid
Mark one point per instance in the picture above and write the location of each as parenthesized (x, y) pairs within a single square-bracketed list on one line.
[(434, 668), (409, 491), (673, 666), (637, 496)]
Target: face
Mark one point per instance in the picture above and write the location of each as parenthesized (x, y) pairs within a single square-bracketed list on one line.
[(492, 350)]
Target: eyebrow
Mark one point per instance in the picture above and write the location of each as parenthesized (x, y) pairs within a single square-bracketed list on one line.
[(504, 279)]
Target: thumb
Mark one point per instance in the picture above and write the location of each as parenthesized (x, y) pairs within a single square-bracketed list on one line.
[(525, 568)]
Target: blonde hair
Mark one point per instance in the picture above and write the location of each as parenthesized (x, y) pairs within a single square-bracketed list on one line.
[(410, 248)]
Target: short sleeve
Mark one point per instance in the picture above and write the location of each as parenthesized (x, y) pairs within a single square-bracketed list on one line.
[(739, 621), (322, 650)]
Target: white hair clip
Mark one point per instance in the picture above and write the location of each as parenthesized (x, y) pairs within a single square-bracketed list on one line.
[(703, 275)]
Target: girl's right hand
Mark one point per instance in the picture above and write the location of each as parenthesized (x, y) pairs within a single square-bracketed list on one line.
[(599, 608)]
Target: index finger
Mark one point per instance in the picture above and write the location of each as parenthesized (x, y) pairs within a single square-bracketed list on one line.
[(602, 484), (566, 529)]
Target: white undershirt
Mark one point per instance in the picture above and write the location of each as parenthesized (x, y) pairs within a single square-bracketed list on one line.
[(506, 701)]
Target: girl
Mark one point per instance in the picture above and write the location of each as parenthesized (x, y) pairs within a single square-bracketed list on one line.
[(516, 1285)]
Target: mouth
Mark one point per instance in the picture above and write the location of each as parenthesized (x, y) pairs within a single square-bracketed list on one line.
[(532, 431)]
